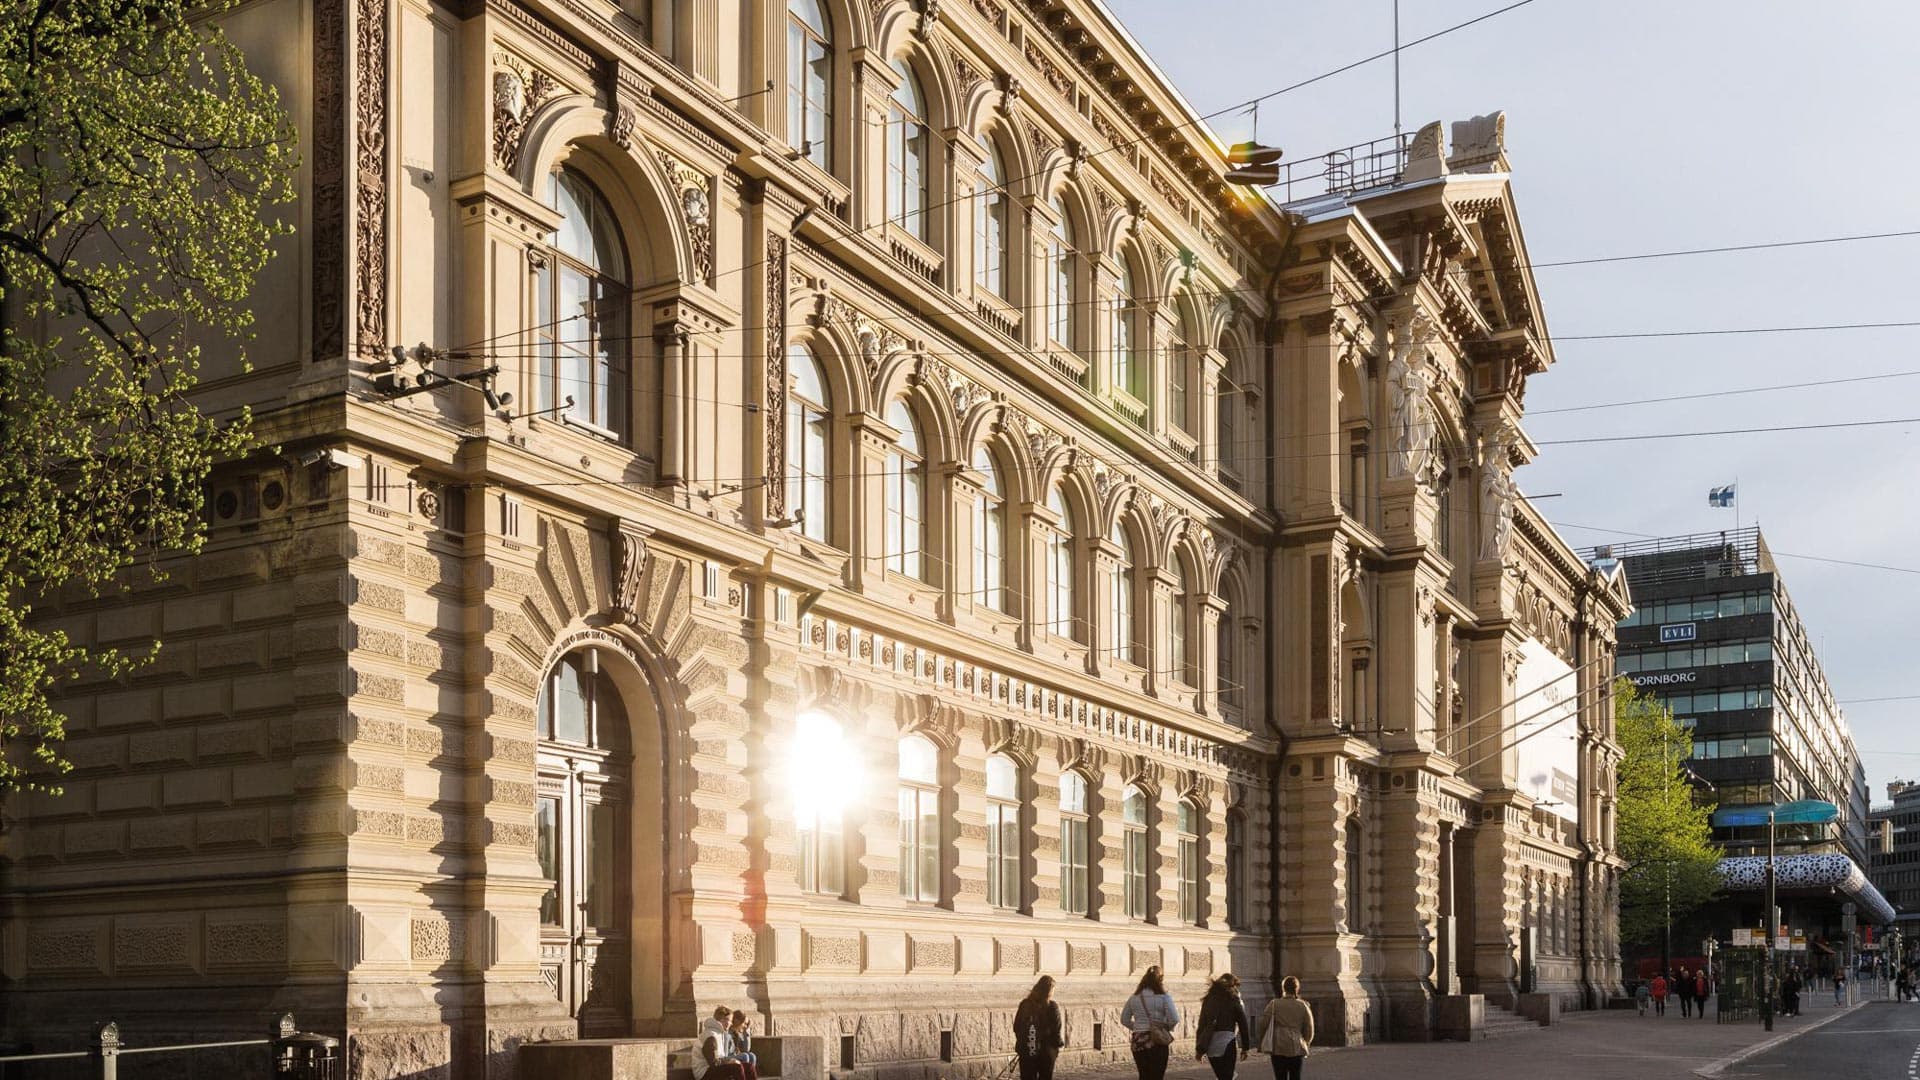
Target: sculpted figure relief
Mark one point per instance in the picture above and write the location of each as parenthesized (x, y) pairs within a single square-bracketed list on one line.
[(1498, 493), (1413, 423)]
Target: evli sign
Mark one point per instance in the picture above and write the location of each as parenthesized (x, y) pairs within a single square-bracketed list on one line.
[(1676, 632)]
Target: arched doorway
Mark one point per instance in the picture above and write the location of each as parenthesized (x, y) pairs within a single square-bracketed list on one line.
[(598, 840)]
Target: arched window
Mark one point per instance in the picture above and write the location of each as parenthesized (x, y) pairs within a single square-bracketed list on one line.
[(1226, 674), (1236, 869), (1226, 452), (1120, 597), (810, 81), (582, 819), (1060, 568), (1060, 277), (1003, 832), (1189, 858), (1356, 888), (1177, 626), (989, 534), (990, 222), (1134, 834), (1126, 368), (817, 802), (919, 819), (809, 446), (906, 482), (909, 155), (1175, 360), (1073, 843), (581, 311)]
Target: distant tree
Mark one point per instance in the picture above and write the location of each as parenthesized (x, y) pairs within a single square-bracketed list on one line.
[(138, 158), (1664, 828)]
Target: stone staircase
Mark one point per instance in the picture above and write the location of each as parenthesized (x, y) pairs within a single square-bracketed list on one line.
[(1504, 1024)]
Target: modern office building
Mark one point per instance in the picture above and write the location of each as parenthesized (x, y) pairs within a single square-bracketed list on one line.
[(1893, 835), (1715, 635), (942, 534)]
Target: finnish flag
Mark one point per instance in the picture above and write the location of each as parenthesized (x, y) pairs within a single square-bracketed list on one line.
[(1720, 496)]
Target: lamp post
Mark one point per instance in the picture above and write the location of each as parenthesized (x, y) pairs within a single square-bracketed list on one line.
[(1800, 812)]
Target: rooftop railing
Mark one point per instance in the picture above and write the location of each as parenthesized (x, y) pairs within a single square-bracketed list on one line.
[(1346, 170)]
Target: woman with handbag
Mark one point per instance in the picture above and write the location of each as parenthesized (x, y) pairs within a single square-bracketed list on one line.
[(1286, 1030), (1151, 1017)]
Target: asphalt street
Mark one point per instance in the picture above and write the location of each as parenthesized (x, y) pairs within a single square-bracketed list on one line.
[(1880, 1041)]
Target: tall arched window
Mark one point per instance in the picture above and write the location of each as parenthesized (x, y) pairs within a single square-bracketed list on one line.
[(810, 81), (1060, 568), (1133, 807), (1356, 888), (1126, 367), (1226, 665), (1177, 626), (1120, 597), (1073, 843), (1189, 859), (990, 222), (1060, 277), (809, 443), (1236, 869), (919, 819), (989, 534), (1003, 832), (909, 155), (581, 310), (817, 802), (1226, 453), (906, 482)]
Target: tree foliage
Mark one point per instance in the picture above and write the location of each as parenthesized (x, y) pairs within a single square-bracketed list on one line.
[(1664, 831), (138, 159)]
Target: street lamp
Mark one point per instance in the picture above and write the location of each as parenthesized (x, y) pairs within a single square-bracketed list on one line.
[(1801, 812)]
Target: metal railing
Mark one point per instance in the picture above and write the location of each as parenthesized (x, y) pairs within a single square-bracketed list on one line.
[(1346, 170), (292, 1054)]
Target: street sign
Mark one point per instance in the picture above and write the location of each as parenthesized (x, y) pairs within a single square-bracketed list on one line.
[(1742, 937)]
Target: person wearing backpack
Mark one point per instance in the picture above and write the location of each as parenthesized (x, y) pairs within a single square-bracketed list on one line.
[(1150, 1016), (1286, 1030), (1037, 1031), (1222, 1036)]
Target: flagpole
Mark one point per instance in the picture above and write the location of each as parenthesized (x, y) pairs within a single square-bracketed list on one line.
[(1736, 504)]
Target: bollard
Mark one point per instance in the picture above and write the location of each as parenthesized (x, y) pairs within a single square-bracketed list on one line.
[(105, 1049)]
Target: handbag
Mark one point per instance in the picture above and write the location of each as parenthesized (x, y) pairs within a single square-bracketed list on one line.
[(1156, 1035)]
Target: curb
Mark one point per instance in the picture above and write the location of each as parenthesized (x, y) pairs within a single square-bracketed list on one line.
[(1710, 1072)]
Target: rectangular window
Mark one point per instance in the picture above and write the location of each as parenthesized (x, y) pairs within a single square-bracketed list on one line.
[(821, 856), (547, 848), (1003, 855), (919, 843), (1190, 879), (1176, 364), (1073, 865), (1135, 872)]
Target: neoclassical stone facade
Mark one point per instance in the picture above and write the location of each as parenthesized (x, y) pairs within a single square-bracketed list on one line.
[(875, 519)]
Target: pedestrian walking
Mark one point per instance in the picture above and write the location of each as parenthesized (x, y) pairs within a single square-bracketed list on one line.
[(715, 1059), (1223, 1035), (1839, 988), (1286, 1030), (1790, 992), (1038, 1031), (1641, 996), (1683, 989), (1150, 1016), (1659, 992), (1701, 987)]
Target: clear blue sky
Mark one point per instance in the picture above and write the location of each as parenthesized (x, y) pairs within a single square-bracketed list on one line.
[(1638, 126)]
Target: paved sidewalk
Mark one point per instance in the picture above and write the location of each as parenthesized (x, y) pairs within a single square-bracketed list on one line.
[(1616, 1045)]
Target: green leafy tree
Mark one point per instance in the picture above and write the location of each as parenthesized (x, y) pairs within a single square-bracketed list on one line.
[(138, 161), (1664, 830)]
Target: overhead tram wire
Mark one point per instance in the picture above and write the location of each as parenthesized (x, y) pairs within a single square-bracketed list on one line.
[(1183, 125), (1041, 305)]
